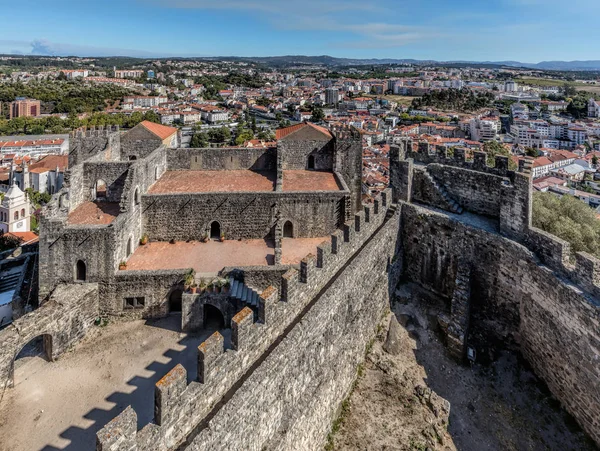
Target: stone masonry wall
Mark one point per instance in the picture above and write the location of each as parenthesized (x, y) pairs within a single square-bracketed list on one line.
[(295, 154), (222, 158), (62, 320), (517, 300), (241, 215), (324, 315)]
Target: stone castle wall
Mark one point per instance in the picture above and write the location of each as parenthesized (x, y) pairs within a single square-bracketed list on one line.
[(241, 215), (222, 159), (62, 321), (320, 322), (514, 299), (294, 154)]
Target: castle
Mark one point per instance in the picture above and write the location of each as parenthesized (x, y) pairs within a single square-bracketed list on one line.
[(309, 272)]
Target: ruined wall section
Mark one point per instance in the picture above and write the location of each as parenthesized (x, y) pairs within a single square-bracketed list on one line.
[(154, 286), (241, 215), (99, 145), (222, 159), (516, 299), (339, 309), (138, 143), (64, 319), (348, 162)]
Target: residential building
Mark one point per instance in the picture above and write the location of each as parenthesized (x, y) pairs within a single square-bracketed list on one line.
[(484, 129), (23, 107), (129, 73)]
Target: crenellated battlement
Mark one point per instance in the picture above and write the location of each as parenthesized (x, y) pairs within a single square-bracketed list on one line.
[(220, 366), (427, 153), (345, 132), (94, 132)]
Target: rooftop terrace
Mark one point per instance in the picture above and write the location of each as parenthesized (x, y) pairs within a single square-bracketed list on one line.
[(213, 256), (242, 181), (94, 213)]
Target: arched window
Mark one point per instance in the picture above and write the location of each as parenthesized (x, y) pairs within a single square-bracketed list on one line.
[(22, 212), (129, 247), (136, 196), (132, 158), (155, 173), (101, 190), (80, 271), (215, 230), (16, 216), (288, 230), (311, 162)]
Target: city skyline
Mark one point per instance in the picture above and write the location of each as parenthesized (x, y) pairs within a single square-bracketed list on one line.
[(528, 31)]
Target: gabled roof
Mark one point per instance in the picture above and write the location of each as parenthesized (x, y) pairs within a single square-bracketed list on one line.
[(162, 131), (284, 133), (51, 162)]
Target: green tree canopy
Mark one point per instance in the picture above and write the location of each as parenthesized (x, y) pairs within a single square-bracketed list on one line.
[(568, 218)]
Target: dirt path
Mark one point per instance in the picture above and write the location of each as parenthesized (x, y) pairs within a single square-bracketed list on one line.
[(61, 405), (492, 408)]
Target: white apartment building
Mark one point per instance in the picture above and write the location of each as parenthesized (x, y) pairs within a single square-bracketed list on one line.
[(35, 147), (484, 129), (144, 101), (519, 111)]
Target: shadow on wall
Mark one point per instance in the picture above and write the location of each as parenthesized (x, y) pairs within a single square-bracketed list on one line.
[(142, 397)]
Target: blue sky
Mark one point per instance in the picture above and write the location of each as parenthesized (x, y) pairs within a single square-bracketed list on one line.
[(482, 30)]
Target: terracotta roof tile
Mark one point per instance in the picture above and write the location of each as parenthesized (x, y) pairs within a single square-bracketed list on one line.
[(162, 131), (284, 132)]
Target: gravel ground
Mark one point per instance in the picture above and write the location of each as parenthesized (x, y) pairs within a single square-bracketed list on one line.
[(501, 406)]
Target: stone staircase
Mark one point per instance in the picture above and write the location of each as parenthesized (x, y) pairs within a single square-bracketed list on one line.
[(9, 281), (453, 206), (243, 293)]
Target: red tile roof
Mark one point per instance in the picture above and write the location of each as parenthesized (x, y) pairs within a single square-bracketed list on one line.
[(162, 131), (283, 132)]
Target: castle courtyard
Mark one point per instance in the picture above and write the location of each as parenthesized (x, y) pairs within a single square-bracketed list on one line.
[(61, 404)]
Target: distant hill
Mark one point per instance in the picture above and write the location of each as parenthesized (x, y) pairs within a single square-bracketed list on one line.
[(325, 60), (331, 61)]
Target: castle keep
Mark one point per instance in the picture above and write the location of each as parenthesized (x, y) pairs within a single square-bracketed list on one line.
[(310, 270)]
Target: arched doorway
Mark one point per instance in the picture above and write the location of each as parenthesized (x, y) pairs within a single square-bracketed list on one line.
[(213, 318), (311, 162), (80, 271), (101, 190), (39, 347), (129, 247), (288, 230), (215, 230), (175, 301)]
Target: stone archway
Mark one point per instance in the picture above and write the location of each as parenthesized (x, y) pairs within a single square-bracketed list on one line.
[(175, 300), (38, 346), (213, 317)]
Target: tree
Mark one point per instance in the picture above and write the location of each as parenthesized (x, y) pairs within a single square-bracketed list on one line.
[(568, 218), (595, 160), (199, 140), (317, 115), (8, 242)]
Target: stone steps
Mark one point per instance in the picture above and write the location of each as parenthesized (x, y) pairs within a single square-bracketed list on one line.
[(9, 282), (244, 293), (452, 204)]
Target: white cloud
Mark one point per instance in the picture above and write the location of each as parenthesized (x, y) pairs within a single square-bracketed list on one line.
[(45, 47)]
